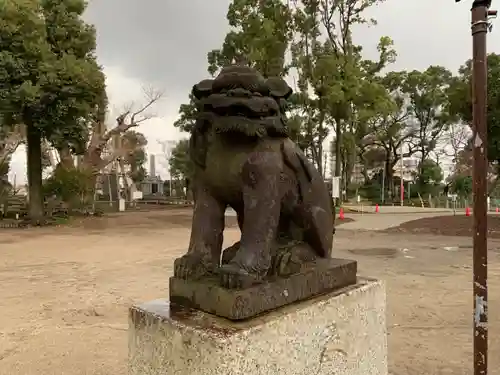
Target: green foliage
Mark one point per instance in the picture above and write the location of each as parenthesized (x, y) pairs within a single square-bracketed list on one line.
[(23, 56), (134, 144), (382, 132), (431, 172), (72, 186), (429, 178), (137, 170), (372, 113), (49, 78), (460, 94), (372, 190), (187, 116), (260, 35), (5, 186), (462, 186), (428, 94), (181, 166)]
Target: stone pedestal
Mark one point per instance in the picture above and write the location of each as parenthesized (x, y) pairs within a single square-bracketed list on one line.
[(341, 333)]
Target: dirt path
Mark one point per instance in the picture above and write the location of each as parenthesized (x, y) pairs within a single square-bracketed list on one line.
[(459, 225), (65, 293)]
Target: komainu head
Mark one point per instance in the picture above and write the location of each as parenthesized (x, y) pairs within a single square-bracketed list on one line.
[(241, 100)]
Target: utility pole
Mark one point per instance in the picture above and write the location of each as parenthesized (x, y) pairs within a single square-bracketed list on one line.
[(480, 26)]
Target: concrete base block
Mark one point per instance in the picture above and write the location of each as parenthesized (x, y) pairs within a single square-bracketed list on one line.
[(341, 333)]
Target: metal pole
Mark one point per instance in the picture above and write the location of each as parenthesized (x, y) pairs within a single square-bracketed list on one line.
[(479, 30)]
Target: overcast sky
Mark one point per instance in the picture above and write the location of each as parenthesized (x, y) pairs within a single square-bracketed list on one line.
[(164, 43)]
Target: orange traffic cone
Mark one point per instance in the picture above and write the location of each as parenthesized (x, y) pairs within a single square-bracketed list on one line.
[(377, 209), (467, 211), (341, 214)]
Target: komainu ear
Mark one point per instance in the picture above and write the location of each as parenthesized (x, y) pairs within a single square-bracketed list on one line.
[(202, 89), (278, 88)]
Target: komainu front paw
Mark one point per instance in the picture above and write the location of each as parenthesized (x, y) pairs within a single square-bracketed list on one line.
[(193, 267), (234, 277)]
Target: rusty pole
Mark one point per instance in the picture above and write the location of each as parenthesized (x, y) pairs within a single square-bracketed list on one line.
[(480, 27)]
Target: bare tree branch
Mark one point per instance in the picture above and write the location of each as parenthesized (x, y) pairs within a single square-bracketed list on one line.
[(10, 141), (135, 118), (100, 136)]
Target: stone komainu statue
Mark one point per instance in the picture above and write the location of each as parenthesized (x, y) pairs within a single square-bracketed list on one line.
[(244, 160)]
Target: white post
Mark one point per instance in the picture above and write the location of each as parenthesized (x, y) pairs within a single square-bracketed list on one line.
[(401, 185)]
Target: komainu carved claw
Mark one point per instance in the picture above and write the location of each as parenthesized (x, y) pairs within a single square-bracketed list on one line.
[(234, 277), (290, 258), (287, 258), (193, 267)]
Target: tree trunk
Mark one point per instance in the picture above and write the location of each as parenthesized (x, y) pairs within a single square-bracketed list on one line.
[(338, 155), (126, 186), (66, 158), (34, 164), (319, 159)]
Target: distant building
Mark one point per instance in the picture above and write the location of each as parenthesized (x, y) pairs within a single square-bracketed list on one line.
[(152, 184), (410, 168), (357, 176)]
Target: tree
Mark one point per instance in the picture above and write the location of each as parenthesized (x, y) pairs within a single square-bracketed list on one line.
[(180, 163), (456, 138), (260, 35), (312, 60), (460, 94), (387, 128), (428, 99), (10, 139), (334, 82), (429, 177), (342, 82), (71, 186), (49, 76), (135, 145), (187, 115), (181, 166), (105, 145), (431, 172), (462, 185)]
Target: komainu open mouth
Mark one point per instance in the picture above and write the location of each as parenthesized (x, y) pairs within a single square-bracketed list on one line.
[(254, 107)]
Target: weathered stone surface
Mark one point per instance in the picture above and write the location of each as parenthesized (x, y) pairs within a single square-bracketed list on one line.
[(244, 159), (340, 333), (321, 276)]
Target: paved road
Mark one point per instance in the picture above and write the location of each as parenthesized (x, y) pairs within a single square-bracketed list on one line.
[(400, 210), (383, 221), (386, 220), (388, 217)]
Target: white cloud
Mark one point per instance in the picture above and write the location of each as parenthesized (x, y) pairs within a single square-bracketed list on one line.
[(425, 32)]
